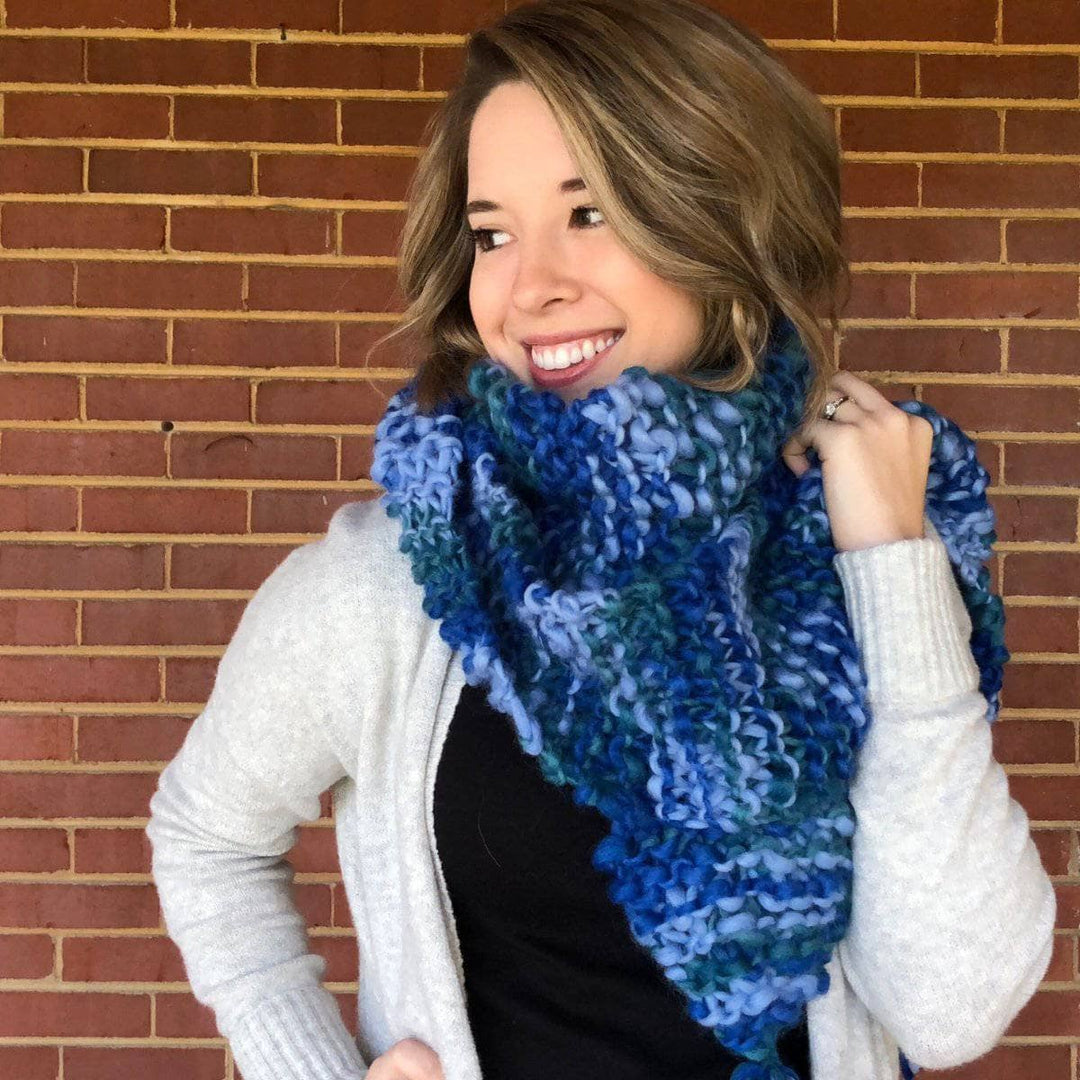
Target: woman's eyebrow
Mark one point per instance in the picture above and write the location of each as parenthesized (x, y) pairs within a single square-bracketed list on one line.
[(476, 206)]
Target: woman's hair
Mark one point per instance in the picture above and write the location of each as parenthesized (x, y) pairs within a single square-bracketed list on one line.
[(716, 167)]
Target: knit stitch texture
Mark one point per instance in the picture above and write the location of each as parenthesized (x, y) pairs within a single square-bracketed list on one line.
[(649, 593)]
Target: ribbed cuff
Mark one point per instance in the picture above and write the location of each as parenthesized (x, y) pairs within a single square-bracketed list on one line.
[(910, 622), (295, 1035)]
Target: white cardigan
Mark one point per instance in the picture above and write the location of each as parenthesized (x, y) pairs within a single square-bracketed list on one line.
[(336, 678)]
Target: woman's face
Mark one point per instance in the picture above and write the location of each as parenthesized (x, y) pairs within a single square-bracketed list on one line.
[(553, 268)]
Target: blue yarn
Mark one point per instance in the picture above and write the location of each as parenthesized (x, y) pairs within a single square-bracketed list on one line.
[(648, 592)]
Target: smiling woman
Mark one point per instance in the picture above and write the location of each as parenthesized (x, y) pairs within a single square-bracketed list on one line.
[(647, 167)]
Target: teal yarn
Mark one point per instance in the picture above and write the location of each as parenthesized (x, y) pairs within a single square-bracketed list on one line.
[(648, 592)]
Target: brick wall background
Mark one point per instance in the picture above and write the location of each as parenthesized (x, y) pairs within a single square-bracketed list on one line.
[(199, 205)]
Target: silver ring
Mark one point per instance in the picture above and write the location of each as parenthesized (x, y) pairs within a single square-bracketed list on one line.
[(832, 406)]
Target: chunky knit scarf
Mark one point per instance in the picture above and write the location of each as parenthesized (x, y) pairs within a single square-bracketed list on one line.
[(648, 591)]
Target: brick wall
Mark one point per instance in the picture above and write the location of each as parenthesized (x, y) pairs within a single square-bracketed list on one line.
[(199, 205)]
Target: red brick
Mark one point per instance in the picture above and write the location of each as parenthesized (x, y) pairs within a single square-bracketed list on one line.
[(834, 73), (315, 851), (1043, 131), (57, 795), (34, 851), (32, 59), (136, 1062), (30, 1062), (920, 348), (1050, 241), (1034, 742), (81, 566), (1040, 22), (127, 398), (42, 225), (160, 622), (359, 16), (131, 738), (83, 339), (86, 116), (164, 510), (29, 282), (1046, 352), (221, 342), (60, 904), (40, 169), (1041, 463), (35, 738), (340, 953), (279, 231), (928, 130), (358, 338), (172, 63), (263, 119), (879, 183), (48, 1014), (180, 1016), (39, 397), (111, 851), (189, 680), (83, 453), (335, 176), (357, 454), (950, 75), (367, 122), (922, 240), (160, 285), (152, 14), (992, 184), (347, 66), (995, 295), (78, 678), (37, 509), (372, 232), (318, 288), (295, 511), (917, 20), (25, 956), (1041, 629), (259, 14), (122, 959), (1035, 517), (1007, 408), (282, 401), (26, 621), (173, 172), (291, 457), (1041, 686), (225, 566)]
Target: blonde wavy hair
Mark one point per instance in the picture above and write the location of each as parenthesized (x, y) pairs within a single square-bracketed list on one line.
[(712, 162)]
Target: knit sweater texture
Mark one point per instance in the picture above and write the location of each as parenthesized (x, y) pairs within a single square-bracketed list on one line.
[(336, 679)]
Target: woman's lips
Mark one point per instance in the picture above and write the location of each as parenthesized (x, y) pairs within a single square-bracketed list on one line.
[(550, 380)]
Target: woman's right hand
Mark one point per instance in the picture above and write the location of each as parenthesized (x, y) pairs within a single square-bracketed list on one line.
[(409, 1059)]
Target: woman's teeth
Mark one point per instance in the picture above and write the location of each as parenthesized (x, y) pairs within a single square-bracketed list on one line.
[(567, 355)]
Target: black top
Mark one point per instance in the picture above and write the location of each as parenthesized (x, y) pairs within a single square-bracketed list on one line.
[(555, 984)]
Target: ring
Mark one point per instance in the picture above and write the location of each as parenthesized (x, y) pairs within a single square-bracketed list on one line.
[(832, 406)]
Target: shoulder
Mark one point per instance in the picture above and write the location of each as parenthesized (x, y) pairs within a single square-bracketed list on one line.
[(338, 585)]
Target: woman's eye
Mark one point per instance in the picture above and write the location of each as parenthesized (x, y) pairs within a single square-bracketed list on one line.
[(482, 237)]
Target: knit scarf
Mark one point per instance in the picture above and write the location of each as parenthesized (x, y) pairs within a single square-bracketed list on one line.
[(647, 590)]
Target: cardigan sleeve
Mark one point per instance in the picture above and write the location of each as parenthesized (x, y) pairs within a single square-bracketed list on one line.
[(952, 910), (224, 815)]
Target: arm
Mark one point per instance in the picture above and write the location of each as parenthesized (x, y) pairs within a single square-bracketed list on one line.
[(953, 913), (252, 766)]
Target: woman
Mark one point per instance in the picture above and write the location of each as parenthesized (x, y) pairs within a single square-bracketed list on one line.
[(606, 679)]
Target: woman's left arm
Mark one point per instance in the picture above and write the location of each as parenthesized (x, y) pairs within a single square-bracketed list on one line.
[(952, 910), (952, 921)]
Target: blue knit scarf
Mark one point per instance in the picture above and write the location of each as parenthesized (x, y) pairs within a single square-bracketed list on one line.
[(648, 591)]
